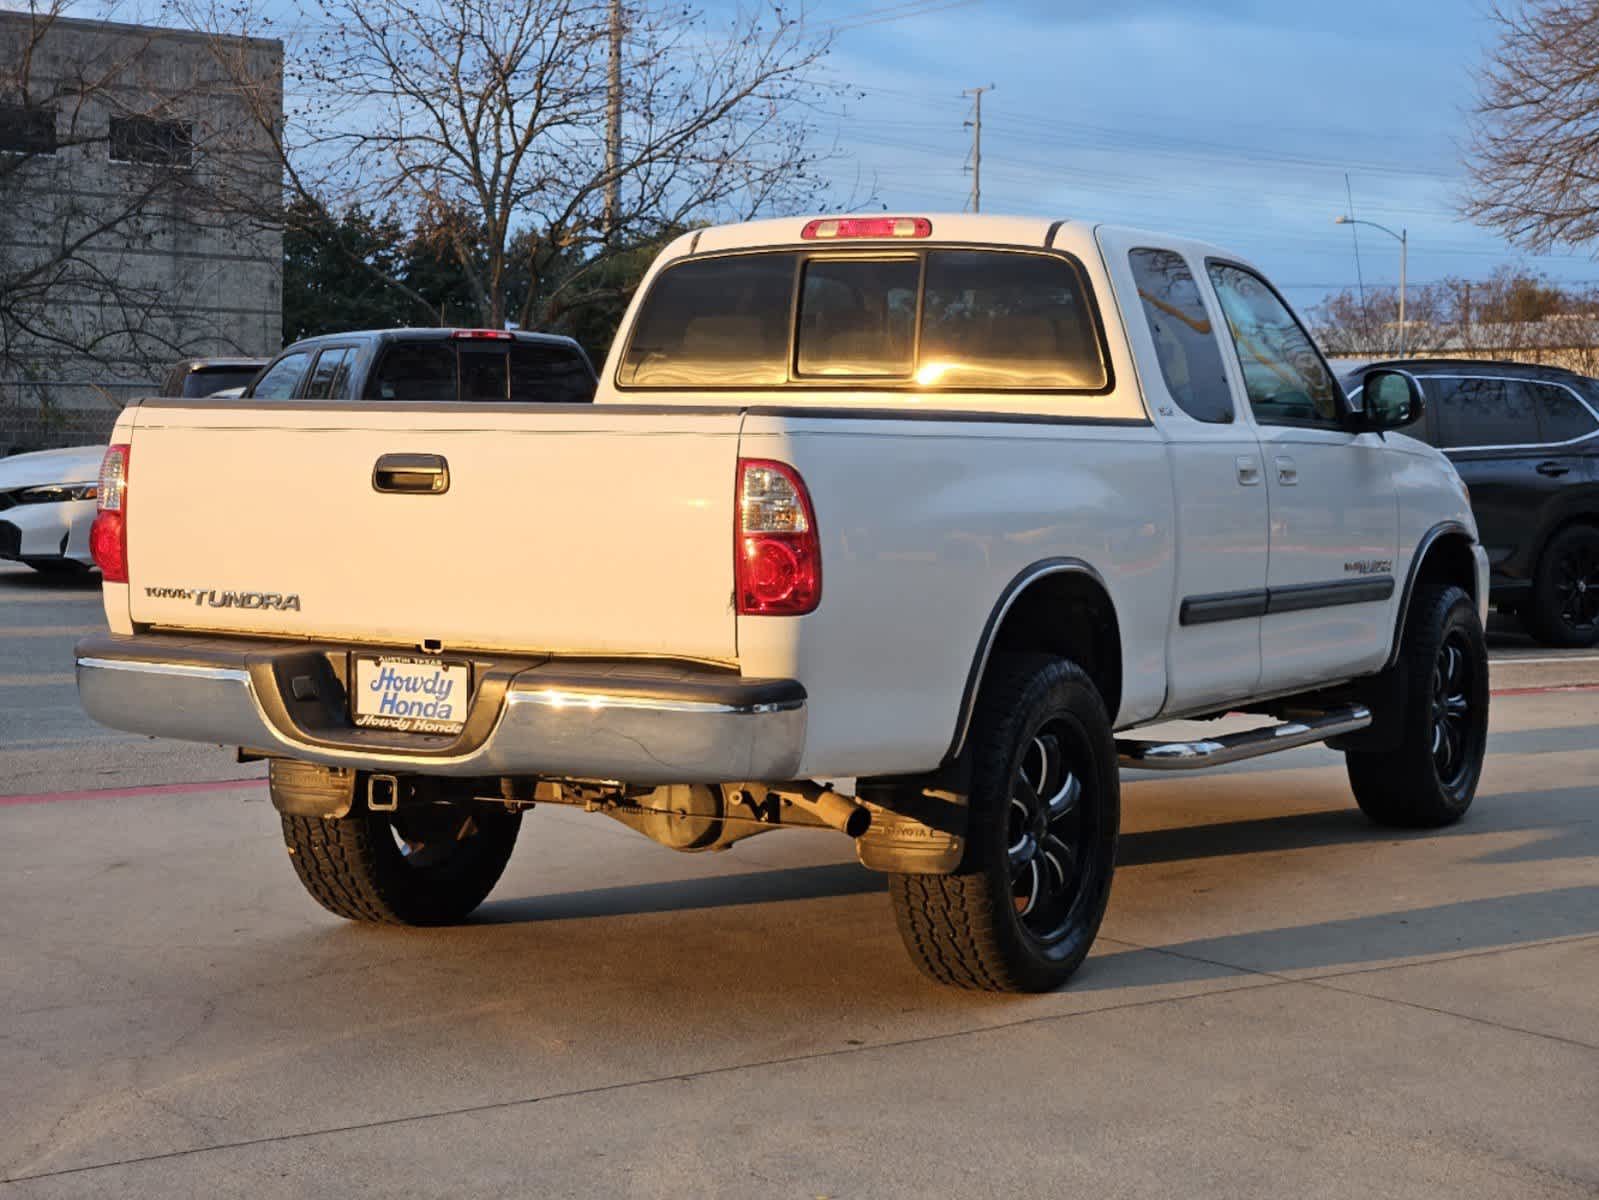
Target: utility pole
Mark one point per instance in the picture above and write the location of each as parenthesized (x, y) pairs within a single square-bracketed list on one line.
[(613, 127), (976, 126)]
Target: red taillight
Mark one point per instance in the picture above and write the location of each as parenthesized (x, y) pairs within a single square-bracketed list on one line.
[(777, 557), (834, 228), (108, 536), (483, 335)]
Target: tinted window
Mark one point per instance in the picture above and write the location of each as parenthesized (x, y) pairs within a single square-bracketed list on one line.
[(990, 320), (858, 317), (483, 373), (1006, 321), (331, 373), (415, 371), (1561, 416), (209, 382), (1482, 412), (282, 376), (151, 140), (722, 321), (1286, 379), (1185, 340), (542, 373)]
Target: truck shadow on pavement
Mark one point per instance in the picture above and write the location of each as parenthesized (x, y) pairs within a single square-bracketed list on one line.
[(26, 580), (1358, 944), (678, 895), (830, 921)]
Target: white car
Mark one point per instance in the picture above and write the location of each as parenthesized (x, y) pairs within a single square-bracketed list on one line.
[(946, 506), (47, 502)]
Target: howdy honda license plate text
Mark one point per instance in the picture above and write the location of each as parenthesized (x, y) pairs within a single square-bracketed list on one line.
[(416, 695)]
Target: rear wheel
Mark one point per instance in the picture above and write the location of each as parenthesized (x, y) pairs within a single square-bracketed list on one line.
[(1022, 910), (1564, 608), (428, 865), (1430, 776)]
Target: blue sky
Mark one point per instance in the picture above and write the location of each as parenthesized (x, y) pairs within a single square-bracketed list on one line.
[(1232, 120)]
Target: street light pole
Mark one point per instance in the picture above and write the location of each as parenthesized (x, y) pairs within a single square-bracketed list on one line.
[(1403, 238)]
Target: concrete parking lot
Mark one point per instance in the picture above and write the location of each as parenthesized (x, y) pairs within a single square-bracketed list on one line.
[(1285, 1000)]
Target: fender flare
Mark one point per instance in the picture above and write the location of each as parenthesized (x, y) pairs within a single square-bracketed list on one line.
[(1423, 547), (996, 618)]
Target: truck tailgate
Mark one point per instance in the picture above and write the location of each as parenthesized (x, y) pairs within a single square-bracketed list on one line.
[(563, 529)]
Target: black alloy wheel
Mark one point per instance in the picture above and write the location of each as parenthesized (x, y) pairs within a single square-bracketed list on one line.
[(1048, 828), (1453, 730), (1043, 807), (1427, 759), (1576, 584)]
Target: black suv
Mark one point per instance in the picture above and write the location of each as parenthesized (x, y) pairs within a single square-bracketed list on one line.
[(430, 365), (1524, 440)]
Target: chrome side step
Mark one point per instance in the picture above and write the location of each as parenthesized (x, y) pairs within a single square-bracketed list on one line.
[(1235, 747)]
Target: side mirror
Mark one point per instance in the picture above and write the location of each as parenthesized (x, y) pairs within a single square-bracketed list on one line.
[(1392, 399)]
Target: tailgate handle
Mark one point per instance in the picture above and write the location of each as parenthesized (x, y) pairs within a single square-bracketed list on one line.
[(427, 474)]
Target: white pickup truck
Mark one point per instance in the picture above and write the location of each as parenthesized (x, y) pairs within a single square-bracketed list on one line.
[(892, 525)]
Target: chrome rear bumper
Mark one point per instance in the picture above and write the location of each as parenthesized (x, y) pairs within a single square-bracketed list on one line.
[(636, 722)]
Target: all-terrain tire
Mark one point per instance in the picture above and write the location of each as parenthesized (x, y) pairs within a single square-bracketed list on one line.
[(1564, 607), (375, 867), (994, 926), (1430, 776)]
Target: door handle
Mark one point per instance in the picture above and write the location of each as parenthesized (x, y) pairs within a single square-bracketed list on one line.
[(425, 474), (1553, 469), (1248, 470), (1287, 472)]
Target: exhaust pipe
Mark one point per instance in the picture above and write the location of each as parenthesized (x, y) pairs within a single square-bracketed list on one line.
[(844, 813)]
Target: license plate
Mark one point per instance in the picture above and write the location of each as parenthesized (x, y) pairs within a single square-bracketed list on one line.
[(416, 695)]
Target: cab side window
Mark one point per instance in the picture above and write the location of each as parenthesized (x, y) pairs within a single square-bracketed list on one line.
[(1185, 339), (1285, 377), (282, 377), (331, 373)]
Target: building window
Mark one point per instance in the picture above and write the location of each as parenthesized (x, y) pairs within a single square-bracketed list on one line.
[(26, 130), (152, 140)]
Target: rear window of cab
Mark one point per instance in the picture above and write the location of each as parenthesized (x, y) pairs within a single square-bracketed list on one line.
[(949, 319)]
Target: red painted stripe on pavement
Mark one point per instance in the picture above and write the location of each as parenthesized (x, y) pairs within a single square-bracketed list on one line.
[(1538, 691), (154, 789)]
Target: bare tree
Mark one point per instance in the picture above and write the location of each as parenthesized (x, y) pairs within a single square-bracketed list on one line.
[(1535, 148), (485, 123), (109, 146), (1513, 314)]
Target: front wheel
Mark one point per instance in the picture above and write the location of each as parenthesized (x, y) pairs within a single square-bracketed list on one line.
[(428, 865), (1021, 912), (1429, 777)]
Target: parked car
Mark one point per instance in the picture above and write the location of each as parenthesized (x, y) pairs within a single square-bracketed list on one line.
[(1524, 439), (430, 365), (48, 496), (196, 377), (1001, 491), (47, 506)]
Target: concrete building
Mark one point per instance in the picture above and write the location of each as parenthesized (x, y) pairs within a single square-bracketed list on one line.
[(137, 182)]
